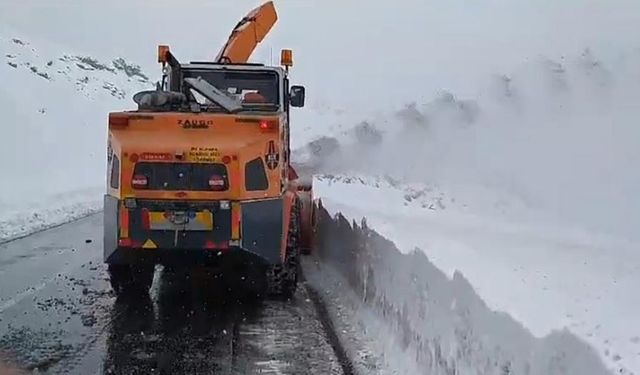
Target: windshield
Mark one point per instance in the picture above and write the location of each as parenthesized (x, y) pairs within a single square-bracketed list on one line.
[(255, 90), (204, 93)]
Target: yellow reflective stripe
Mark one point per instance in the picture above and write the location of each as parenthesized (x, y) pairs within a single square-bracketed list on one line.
[(124, 222), (156, 217), (205, 218), (235, 220)]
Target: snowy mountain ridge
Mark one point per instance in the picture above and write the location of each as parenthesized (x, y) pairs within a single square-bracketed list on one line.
[(89, 75)]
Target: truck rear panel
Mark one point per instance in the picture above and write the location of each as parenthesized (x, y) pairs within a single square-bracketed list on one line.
[(195, 185), (203, 230)]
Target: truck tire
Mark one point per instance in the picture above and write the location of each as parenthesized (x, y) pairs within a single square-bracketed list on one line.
[(282, 279), (131, 280)]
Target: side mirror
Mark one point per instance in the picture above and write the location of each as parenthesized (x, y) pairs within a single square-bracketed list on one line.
[(297, 96)]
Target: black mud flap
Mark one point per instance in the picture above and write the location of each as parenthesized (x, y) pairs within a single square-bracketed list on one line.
[(110, 227), (262, 229)]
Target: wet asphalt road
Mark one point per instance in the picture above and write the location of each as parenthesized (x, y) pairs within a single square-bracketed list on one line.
[(58, 316)]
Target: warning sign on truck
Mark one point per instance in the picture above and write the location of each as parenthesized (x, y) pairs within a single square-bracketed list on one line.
[(203, 154)]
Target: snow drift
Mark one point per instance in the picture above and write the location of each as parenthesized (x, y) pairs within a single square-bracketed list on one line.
[(424, 321), (545, 276)]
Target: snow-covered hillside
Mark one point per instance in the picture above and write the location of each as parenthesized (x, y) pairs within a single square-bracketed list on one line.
[(558, 134), (54, 103)]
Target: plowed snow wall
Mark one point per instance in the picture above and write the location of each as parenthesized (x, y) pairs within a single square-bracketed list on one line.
[(438, 322)]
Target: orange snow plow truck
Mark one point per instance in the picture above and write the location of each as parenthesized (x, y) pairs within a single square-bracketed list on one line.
[(199, 173)]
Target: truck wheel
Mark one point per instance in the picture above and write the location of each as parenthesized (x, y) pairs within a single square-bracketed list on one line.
[(131, 279), (283, 278)]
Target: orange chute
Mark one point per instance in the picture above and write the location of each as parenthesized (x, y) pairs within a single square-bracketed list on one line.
[(250, 31)]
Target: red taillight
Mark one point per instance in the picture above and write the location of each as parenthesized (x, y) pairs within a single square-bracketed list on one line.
[(220, 246), (139, 181), (216, 182), (129, 243), (125, 242), (268, 126)]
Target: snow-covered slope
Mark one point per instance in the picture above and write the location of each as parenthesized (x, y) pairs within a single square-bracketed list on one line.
[(559, 134), (54, 104)]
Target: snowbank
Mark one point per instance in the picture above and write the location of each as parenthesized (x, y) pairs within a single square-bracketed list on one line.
[(423, 321), (59, 209), (546, 277)]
